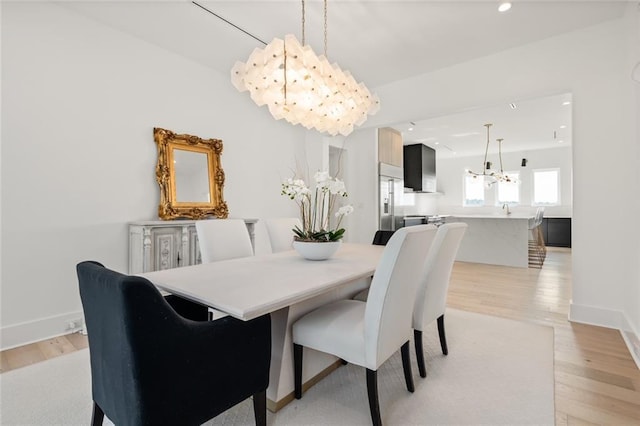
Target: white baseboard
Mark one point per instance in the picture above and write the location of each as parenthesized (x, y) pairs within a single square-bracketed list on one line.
[(611, 319), (41, 329)]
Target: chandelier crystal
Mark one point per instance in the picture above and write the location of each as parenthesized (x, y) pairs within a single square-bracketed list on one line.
[(304, 88), (491, 176)]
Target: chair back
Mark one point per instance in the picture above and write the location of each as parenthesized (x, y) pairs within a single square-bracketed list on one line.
[(381, 237), (151, 366), (539, 215), (125, 316), (221, 239), (392, 292), (537, 220), (280, 232), (431, 298)]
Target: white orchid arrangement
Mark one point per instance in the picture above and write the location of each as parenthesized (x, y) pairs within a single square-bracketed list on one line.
[(316, 207)]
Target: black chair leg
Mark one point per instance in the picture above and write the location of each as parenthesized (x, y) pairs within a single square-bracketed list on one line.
[(443, 338), (372, 391), (343, 362), (260, 408), (417, 338), (98, 415), (406, 366), (297, 370)]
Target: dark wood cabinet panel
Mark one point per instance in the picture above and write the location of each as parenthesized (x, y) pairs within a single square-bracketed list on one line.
[(557, 231), (419, 168)]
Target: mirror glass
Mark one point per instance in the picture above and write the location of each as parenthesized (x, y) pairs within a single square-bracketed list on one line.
[(190, 176)]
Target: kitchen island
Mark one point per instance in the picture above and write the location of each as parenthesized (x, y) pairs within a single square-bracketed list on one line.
[(495, 239)]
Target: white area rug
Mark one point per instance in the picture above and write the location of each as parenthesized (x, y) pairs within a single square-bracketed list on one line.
[(498, 372)]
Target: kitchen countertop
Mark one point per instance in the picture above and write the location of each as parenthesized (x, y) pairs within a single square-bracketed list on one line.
[(494, 216)]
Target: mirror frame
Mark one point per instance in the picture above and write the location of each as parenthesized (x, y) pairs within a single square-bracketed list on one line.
[(170, 208)]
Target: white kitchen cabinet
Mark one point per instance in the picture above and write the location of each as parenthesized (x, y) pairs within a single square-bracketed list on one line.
[(156, 245)]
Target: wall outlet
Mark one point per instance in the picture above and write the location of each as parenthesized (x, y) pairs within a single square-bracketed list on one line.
[(75, 325)]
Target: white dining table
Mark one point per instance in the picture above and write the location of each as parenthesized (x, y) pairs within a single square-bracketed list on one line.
[(284, 285)]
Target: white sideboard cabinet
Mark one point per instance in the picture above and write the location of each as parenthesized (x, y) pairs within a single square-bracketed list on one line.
[(155, 245)]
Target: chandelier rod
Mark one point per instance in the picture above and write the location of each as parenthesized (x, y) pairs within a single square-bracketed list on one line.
[(486, 150), (500, 154), (303, 21), (230, 23), (325, 29)]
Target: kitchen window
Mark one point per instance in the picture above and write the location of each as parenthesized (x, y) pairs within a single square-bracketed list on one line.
[(509, 193), (546, 187), (473, 191)]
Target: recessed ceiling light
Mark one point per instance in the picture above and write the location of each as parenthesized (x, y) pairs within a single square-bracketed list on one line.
[(513, 106), (437, 143), (560, 141), (563, 127), (504, 6), (566, 103), (410, 129)]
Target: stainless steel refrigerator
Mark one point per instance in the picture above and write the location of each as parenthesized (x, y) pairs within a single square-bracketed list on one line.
[(390, 193)]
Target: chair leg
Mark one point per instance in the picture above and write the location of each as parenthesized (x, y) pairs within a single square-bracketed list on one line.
[(260, 408), (372, 391), (97, 416), (443, 338), (343, 362), (297, 370), (406, 366), (417, 338)]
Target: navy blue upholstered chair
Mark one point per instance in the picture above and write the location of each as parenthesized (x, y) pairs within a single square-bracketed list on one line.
[(152, 365), (381, 237)]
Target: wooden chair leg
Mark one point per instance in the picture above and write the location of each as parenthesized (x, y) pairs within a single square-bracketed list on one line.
[(97, 416), (406, 366), (372, 391), (260, 408), (443, 337), (297, 370), (417, 339)]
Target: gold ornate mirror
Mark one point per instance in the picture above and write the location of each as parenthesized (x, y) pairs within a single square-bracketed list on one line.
[(190, 176)]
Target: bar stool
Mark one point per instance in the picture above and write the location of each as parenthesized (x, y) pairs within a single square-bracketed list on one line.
[(537, 248)]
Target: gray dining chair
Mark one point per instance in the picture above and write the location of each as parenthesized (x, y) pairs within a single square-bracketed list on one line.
[(222, 239), (280, 232), (431, 297), (368, 333)]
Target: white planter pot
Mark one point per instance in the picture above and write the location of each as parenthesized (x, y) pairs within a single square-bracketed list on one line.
[(316, 250)]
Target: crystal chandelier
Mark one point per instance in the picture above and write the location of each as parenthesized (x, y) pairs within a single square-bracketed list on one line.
[(304, 88), (490, 176)]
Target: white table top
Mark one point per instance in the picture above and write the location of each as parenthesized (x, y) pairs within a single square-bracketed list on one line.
[(249, 287)]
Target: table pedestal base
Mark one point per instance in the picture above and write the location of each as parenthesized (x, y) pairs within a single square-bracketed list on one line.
[(317, 365)]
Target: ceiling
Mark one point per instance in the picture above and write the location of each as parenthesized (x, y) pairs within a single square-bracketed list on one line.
[(525, 125), (377, 41)]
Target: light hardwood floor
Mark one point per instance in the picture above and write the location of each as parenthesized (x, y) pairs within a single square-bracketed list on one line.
[(596, 380)]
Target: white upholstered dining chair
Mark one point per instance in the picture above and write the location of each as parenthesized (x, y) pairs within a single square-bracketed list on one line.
[(280, 232), (431, 297), (222, 239), (368, 333)]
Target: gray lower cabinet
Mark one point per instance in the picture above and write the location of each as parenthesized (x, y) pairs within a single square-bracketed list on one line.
[(156, 245)]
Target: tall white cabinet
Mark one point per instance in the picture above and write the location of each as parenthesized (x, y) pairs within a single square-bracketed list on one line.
[(155, 245)]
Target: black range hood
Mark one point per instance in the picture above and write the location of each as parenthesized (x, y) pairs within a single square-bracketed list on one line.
[(419, 168)]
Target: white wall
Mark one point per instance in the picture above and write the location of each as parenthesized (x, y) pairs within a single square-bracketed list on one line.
[(595, 66), (79, 102), (452, 170)]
